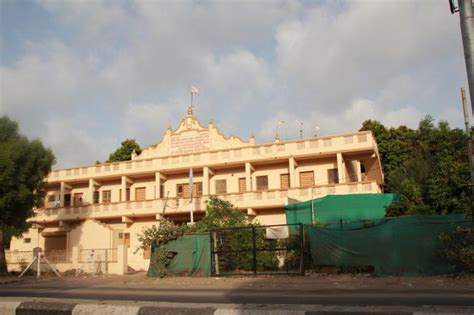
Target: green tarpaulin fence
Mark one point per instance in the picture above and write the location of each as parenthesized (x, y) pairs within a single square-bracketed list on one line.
[(394, 246), (333, 208), (189, 254)]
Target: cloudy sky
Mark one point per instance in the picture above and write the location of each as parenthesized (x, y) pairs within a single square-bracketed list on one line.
[(84, 75)]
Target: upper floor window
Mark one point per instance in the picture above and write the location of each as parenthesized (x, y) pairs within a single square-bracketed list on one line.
[(242, 185), (106, 196), (127, 194), (306, 179), (333, 176), (140, 193), (182, 190), (262, 182), (284, 181), (221, 186), (95, 197), (67, 200)]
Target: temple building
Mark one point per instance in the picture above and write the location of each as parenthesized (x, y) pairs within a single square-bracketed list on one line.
[(105, 206)]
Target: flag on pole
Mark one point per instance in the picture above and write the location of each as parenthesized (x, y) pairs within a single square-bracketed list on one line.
[(194, 90), (190, 185)]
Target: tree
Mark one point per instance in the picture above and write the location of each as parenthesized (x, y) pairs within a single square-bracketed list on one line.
[(124, 153), (23, 167), (428, 167), (221, 214)]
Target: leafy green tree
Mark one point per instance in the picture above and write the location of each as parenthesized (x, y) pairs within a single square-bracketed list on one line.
[(124, 153), (23, 167), (428, 167), (221, 214)]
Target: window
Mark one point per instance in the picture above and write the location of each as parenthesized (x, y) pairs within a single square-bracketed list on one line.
[(333, 176), (140, 193), (307, 179), (106, 196), (262, 182), (242, 185), (124, 239), (182, 190), (284, 181), (221, 186), (27, 240), (67, 200), (51, 198), (78, 199), (96, 197)]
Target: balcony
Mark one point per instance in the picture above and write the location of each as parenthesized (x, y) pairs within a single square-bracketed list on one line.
[(320, 146), (255, 199)]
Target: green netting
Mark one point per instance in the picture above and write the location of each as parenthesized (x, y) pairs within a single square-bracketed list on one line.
[(333, 208), (189, 254), (394, 246)]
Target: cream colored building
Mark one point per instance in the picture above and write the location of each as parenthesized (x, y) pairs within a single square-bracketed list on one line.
[(105, 206)]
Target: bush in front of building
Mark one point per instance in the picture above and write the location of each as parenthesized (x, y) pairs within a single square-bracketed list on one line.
[(458, 249)]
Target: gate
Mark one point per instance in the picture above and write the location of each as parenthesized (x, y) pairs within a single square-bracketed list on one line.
[(258, 250)]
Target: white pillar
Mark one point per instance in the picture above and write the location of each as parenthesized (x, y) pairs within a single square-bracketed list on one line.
[(248, 176), (205, 183), (340, 168), (91, 191), (124, 188), (292, 172), (359, 175), (62, 193)]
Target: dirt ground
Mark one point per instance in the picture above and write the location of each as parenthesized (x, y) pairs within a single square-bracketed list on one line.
[(316, 281)]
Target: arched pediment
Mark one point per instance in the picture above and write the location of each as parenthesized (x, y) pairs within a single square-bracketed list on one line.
[(191, 137)]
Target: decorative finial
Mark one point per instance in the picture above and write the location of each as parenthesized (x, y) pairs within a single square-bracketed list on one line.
[(190, 110)]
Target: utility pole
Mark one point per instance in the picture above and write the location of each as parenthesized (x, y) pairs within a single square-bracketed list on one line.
[(469, 148), (466, 20)]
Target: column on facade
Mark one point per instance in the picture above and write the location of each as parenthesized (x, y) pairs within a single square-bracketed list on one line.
[(62, 191), (205, 180), (292, 166), (358, 171), (340, 168), (248, 176)]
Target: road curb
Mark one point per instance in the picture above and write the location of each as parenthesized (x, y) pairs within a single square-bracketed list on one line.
[(59, 308)]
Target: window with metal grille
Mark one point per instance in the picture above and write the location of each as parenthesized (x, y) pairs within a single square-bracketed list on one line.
[(306, 179), (284, 181), (140, 193), (242, 185), (96, 197), (124, 239), (106, 196), (333, 176), (221, 186), (262, 182)]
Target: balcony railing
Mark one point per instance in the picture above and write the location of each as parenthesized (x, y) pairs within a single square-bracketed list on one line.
[(253, 199), (319, 145)]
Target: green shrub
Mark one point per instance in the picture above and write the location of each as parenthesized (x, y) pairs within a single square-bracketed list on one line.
[(458, 249)]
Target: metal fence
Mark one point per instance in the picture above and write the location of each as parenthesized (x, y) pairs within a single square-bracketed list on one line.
[(271, 249), (57, 256), (98, 255), (19, 257)]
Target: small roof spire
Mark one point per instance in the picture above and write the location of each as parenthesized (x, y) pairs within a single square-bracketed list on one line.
[(190, 110)]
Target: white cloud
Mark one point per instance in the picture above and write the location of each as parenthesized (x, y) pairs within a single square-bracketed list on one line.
[(123, 69)]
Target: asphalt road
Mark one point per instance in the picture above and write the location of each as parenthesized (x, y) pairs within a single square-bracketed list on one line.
[(361, 297)]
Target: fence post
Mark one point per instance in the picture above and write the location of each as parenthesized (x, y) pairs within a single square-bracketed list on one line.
[(302, 246), (254, 241)]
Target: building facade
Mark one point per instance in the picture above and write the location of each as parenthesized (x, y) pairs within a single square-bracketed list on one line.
[(106, 205)]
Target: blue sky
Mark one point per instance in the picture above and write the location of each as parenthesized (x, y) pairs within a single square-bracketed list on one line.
[(84, 75)]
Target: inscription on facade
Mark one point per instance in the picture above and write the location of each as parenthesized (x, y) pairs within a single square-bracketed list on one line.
[(189, 144)]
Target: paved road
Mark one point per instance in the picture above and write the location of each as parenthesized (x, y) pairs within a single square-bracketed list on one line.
[(378, 297)]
